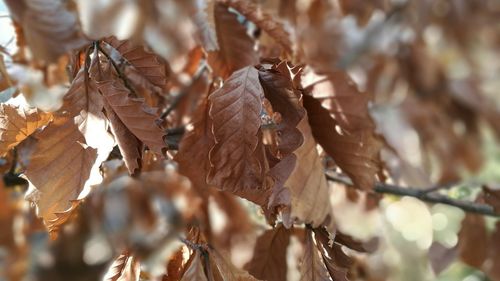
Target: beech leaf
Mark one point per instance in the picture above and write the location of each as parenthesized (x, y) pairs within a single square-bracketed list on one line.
[(236, 48), (130, 146), (235, 112), (226, 270), (307, 183), (125, 268), (61, 147), (134, 114), (264, 21), (300, 183), (269, 258), (195, 146), (17, 123), (149, 65), (195, 271), (336, 261), (312, 267), (50, 27), (340, 122)]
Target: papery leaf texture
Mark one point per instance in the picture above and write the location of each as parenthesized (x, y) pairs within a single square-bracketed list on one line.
[(235, 113), (340, 122), (236, 48), (269, 259), (50, 27), (19, 122)]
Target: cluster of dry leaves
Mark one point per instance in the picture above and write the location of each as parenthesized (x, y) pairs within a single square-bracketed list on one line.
[(126, 145)]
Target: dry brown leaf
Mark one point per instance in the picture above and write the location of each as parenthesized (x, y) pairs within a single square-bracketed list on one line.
[(133, 113), (125, 268), (195, 146), (236, 48), (5, 80), (300, 184), (50, 27), (312, 267), (235, 112), (320, 36), (226, 271), (492, 269), (473, 237), (264, 21), (270, 252), (195, 271), (176, 266), (147, 64), (7, 212), (62, 168), (76, 142), (239, 222), (307, 183), (340, 122), (336, 261), (17, 123), (130, 146), (83, 99)]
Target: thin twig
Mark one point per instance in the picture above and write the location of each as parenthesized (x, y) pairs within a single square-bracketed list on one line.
[(440, 187), (184, 92), (423, 195)]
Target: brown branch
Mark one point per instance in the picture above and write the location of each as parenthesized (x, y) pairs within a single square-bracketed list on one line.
[(423, 195), (427, 195)]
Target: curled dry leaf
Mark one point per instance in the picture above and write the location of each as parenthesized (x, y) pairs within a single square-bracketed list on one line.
[(17, 123), (236, 164), (312, 267), (340, 122), (125, 268), (307, 183), (300, 182), (264, 21), (50, 27), (195, 146), (176, 266), (134, 114), (83, 99), (224, 270), (130, 146), (236, 48), (147, 64), (61, 147), (336, 261), (76, 142), (270, 252), (195, 271)]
